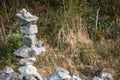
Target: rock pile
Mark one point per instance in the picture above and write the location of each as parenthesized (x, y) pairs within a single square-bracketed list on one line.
[(28, 51), (9, 74)]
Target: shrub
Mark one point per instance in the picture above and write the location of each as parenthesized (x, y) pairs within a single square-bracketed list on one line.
[(7, 48)]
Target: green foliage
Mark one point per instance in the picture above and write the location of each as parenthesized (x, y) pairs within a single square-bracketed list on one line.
[(7, 48), (107, 21)]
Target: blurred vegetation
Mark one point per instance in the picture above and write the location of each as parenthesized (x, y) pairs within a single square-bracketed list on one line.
[(75, 36)]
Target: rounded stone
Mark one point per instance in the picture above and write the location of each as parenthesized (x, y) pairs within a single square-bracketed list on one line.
[(59, 74), (8, 69), (28, 70)]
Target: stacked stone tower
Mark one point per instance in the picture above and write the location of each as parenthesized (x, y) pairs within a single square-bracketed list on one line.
[(30, 48)]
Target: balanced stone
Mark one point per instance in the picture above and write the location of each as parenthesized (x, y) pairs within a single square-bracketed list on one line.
[(29, 29), (28, 70), (28, 40), (8, 70), (26, 51), (31, 47), (26, 17), (27, 61)]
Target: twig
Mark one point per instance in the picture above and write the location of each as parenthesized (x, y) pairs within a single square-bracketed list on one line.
[(97, 18)]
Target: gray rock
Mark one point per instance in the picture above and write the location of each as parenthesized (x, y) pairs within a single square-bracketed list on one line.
[(59, 74), (16, 76), (11, 76), (28, 40), (106, 76), (8, 70), (3, 76), (63, 73), (26, 51), (27, 61), (29, 29), (26, 17), (28, 70), (36, 76)]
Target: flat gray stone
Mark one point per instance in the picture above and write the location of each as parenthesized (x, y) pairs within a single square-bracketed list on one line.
[(27, 61), (8, 69), (25, 17), (26, 51)]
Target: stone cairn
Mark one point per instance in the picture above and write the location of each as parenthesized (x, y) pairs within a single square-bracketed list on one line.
[(30, 49)]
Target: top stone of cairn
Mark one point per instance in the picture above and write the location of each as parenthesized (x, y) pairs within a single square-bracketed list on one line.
[(25, 17)]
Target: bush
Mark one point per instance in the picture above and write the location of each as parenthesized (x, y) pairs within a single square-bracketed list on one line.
[(7, 48)]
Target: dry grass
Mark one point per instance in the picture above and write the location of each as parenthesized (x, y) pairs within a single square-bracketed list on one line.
[(86, 61)]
